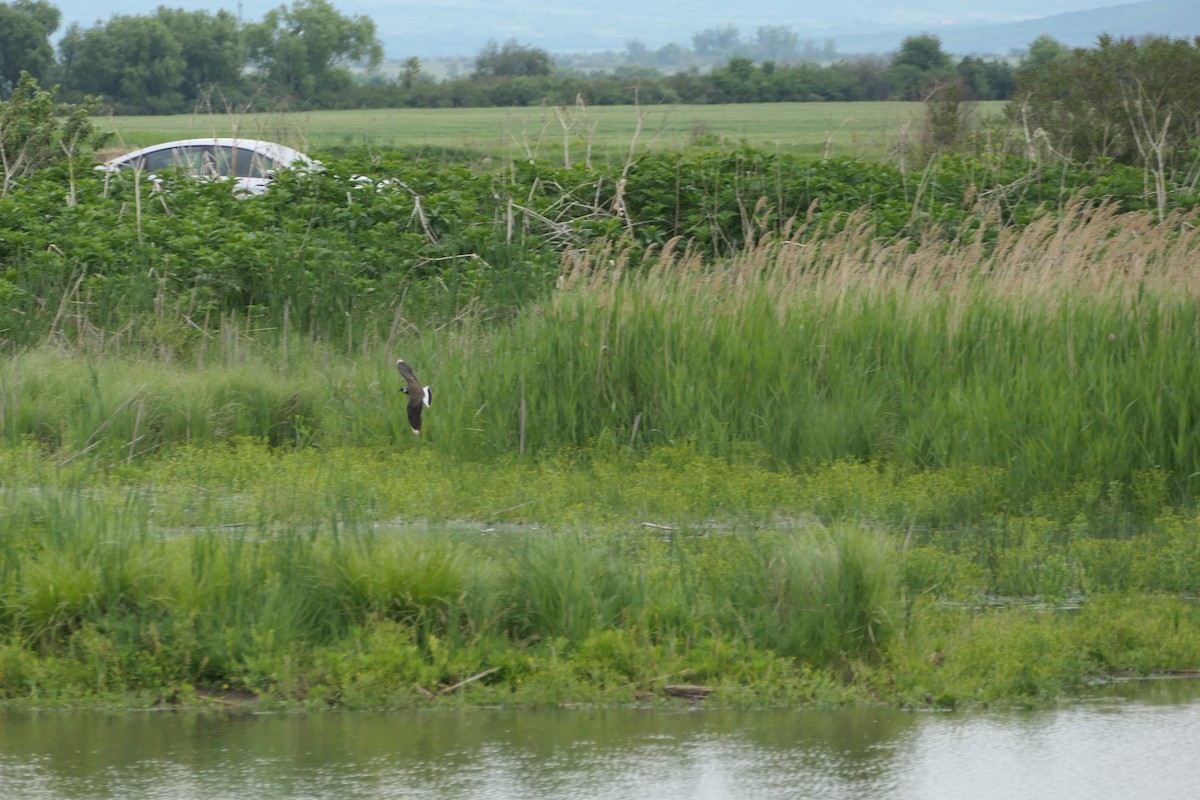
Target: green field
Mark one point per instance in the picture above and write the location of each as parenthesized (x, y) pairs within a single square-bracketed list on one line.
[(844, 129)]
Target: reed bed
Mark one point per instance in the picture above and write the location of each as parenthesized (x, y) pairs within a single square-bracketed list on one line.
[(1059, 355)]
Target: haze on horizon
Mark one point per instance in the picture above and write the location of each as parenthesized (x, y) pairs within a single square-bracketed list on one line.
[(463, 27)]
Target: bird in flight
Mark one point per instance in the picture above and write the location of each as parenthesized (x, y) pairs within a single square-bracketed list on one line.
[(419, 396)]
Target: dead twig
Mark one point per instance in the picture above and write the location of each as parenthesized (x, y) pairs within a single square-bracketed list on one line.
[(512, 508), (82, 452), (471, 679)]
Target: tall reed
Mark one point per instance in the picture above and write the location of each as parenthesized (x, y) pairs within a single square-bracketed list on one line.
[(1056, 353)]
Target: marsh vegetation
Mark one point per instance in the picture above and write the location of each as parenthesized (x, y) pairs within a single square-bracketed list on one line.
[(714, 421)]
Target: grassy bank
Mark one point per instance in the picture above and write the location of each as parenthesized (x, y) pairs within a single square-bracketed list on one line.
[(222, 572)]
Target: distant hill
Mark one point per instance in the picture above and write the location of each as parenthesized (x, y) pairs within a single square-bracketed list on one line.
[(1175, 18)]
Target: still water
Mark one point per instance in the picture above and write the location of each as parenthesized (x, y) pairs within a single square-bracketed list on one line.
[(1134, 741)]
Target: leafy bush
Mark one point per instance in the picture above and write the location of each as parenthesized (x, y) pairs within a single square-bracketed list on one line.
[(336, 255), (1134, 102), (37, 132)]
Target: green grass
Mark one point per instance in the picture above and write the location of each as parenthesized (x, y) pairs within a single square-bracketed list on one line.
[(868, 129), (95, 578), (293, 575)]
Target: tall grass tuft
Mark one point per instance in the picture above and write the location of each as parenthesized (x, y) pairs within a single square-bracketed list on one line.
[(428, 584), (823, 596), (567, 586)]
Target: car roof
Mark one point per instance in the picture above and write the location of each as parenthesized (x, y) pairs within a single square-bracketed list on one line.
[(274, 150)]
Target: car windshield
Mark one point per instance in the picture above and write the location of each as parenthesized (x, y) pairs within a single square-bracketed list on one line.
[(207, 160)]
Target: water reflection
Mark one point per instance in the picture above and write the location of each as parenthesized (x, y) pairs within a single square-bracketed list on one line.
[(1125, 741)]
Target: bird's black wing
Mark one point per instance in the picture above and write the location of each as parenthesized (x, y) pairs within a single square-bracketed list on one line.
[(414, 413), (414, 386)]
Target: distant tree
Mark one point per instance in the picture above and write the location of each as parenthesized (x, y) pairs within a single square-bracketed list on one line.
[(627, 72), (1045, 49), (716, 42), (737, 81), (410, 72), (672, 55), (835, 82), (305, 49), (777, 43), (25, 30), (512, 61), (867, 79), (690, 86), (636, 52), (922, 52), (918, 66), (985, 80), (135, 62), (519, 90), (211, 45)]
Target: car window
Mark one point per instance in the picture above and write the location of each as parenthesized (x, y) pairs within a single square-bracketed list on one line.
[(195, 160), (241, 162)]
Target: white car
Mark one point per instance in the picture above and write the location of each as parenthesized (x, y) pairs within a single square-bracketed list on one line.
[(250, 163)]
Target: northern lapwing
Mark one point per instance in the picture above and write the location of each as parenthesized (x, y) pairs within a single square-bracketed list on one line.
[(418, 396)]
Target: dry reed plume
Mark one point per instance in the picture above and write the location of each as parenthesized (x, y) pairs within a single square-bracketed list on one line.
[(1090, 248)]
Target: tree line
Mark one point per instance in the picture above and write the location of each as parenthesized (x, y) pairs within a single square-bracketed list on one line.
[(529, 79), (174, 60), (310, 55)]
